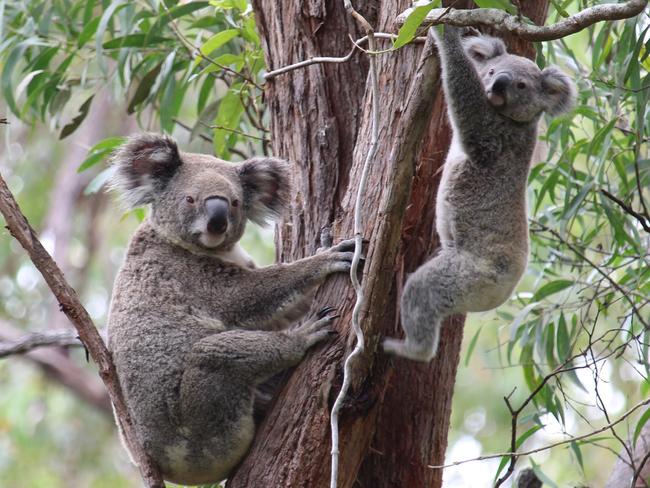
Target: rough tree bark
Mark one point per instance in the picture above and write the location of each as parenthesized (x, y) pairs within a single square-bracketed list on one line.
[(396, 419)]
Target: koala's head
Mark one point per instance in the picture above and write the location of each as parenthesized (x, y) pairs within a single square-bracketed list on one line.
[(198, 201), (514, 85)]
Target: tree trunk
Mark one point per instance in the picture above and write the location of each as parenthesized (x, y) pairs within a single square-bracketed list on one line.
[(625, 469), (396, 419)]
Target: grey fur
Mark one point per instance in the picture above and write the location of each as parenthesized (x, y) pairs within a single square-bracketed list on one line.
[(194, 327), (495, 101)]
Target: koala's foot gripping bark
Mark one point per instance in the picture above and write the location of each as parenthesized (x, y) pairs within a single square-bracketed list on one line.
[(318, 329)]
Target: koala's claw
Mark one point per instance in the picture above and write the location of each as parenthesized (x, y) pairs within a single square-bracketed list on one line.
[(324, 311), (344, 246), (317, 330)]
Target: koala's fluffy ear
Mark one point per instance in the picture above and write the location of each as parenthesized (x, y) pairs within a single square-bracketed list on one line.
[(267, 185), (483, 48), (559, 89), (144, 164)]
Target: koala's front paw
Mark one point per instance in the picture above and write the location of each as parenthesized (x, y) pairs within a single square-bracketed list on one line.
[(339, 257), (318, 329)]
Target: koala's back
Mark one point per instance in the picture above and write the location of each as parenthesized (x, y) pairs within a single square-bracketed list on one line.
[(161, 306)]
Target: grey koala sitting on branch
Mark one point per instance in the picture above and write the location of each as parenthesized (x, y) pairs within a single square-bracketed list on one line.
[(194, 327), (495, 101)]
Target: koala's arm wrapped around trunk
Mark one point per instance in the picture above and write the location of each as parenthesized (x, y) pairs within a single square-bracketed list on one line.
[(274, 296)]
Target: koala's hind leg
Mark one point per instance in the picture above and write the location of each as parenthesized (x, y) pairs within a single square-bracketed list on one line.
[(222, 371), (431, 293)]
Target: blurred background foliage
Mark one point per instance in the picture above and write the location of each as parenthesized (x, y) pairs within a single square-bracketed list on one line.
[(76, 76)]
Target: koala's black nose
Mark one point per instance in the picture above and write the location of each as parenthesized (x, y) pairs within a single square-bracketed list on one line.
[(217, 209), (501, 82)]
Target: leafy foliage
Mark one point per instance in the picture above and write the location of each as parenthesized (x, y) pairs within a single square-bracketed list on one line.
[(160, 56), (577, 326)]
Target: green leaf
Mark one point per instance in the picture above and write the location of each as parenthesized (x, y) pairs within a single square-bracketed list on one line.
[(134, 40), (502, 464), (523, 437), (498, 4), (563, 339), (540, 474), (228, 116), (7, 72), (471, 346), (411, 24), (144, 88), (101, 29), (72, 126), (218, 40), (99, 152), (88, 31), (551, 288), (639, 425), (99, 181)]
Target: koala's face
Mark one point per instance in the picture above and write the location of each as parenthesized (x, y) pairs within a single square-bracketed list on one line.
[(514, 85), (198, 201)]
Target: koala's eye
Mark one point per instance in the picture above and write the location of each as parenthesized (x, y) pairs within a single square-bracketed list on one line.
[(189, 199), (521, 85), (235, 203), (491, 72)]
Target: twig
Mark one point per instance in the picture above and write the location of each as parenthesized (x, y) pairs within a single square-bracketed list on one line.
[(503, 22), (88, 334), (548, 446), (637, 471), (241, 133), (514, 415), (358, 238), (3, 120), (628, 209), (60, 338), (329, 59), (637, 174)]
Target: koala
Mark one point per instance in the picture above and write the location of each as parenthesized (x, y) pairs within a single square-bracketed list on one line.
[(495, 101), (194, 327)]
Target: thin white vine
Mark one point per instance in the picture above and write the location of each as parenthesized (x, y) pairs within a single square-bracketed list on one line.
[(356, 312)]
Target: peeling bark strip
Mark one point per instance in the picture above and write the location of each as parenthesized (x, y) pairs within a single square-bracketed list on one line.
[(505, 23), (72, 307)]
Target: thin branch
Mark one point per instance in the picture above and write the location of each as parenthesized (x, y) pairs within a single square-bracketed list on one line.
[(628, 210), (3, 120), (63, 370), (505, 23), (72, 307), (241, 133), (514, 414), (329, 59), (28, 342), (548, 446), (358, 247), (639, 187)]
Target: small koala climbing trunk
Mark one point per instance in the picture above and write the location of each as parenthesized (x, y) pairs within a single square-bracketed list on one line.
[(495, 101)]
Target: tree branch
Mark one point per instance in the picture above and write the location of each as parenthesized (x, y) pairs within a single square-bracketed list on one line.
[(88, 334), (63, 370), (28, 342), (627, 209), (549, 446), (505, 23)]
